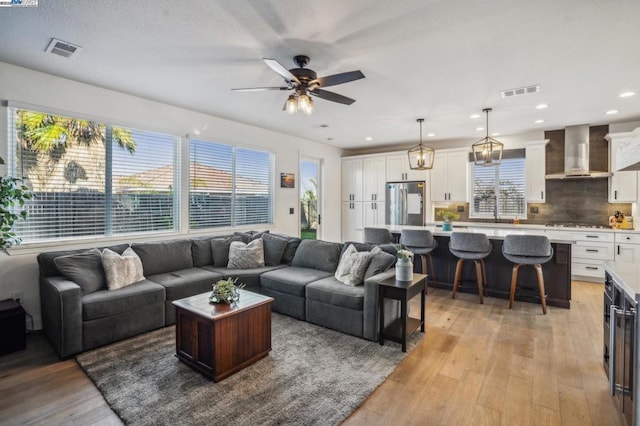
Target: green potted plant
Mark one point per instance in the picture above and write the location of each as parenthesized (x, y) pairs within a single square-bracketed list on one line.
[(13, 196), (226, 291), (447, 216)]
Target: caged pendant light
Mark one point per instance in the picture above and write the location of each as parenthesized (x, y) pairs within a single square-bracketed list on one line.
[(487, 151), (420, 156)]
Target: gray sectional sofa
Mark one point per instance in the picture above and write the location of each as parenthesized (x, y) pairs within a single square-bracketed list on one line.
[(79, 313)]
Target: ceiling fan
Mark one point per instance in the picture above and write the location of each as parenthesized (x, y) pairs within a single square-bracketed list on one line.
[(304, 82)]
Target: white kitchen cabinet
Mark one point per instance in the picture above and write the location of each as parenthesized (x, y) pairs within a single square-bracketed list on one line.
[(449, 175), (352, 175), (535, 164), (373, 213), (352, 221), (589, 251), (627, 247), (398, 169), (374, 177), (623, 186)]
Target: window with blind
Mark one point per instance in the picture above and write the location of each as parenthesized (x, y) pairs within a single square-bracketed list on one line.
[(229, 186), (499, 191), (91, 178)]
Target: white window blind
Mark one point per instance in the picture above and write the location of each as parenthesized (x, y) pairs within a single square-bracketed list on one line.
[(229, 186), (499, 191), (90, 178)]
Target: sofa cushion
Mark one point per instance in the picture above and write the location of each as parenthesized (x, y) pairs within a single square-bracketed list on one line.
[(220, 249), (331, 291), (201, 251), (85, 269), (247, 237), (380, 262), (291, 280), (352, 266), (274, 247), (121, 270), (232, 273), (292, 246), (46, 260), (166, 256), (317, 254), (186, 282), (246, 256), (358, 246), (104, 303)]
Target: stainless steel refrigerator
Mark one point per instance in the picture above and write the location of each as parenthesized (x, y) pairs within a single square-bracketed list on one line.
[(405, 203)]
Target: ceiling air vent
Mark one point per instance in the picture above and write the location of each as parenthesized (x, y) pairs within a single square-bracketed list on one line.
[(62, 48), (520, 91)]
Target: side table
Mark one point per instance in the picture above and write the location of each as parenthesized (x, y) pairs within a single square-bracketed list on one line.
[(403, 327)]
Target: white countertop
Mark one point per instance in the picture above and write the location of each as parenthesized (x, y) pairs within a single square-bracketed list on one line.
[(532, 226), (493, 233), (627, 275)]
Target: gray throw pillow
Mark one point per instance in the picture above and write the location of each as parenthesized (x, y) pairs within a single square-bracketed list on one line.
[(121, 270), (380, 262), (220, 250), (317, 254), (249, 236), (352, 266), (246, 256), (85, 269), (164, 256), (274, 248)]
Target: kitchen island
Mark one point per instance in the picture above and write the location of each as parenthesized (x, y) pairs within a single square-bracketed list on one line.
[(557, 272)]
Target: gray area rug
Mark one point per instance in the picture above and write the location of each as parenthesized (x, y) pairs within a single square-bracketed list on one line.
[(312, 375)]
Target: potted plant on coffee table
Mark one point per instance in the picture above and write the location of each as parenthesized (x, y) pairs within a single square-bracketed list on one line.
[(447, 216)]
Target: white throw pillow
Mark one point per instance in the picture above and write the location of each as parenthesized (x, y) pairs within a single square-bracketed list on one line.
[(353, 264), (246, 256), (121, 270)]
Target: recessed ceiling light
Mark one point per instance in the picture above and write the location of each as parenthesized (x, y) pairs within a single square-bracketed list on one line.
[(479, 128), (368, 138), (431, 135), (626, 94), (541, 106), (495, 134), (538, 121), (611, 112), (474, 116)]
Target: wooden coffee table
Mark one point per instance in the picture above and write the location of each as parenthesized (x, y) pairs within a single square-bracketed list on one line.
[(219, 339)]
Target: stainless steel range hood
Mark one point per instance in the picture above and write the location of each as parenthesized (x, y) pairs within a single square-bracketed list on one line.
[(576, 155)]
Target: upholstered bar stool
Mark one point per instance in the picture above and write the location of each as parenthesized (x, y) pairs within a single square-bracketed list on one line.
[(527, 250), (421, 243), (470, 246), (378, 236)]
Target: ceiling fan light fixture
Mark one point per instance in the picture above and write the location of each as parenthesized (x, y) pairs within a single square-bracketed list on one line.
[(421, 156), (487, 151), (291, 105), (305, 104)]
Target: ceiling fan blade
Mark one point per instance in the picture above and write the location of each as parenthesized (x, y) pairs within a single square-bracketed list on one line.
[(331, 96), (335, 79), (260, 89), (275, 65)]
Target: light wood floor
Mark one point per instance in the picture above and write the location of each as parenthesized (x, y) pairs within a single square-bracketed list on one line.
[(478, 364)]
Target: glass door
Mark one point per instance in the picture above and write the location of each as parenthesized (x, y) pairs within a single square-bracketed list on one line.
[(310, 217)]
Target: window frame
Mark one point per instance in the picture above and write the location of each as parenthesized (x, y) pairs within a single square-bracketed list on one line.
[(271, 182), (513, 154)]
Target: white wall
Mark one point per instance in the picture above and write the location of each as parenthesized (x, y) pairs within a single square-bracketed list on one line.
[(18, 272)]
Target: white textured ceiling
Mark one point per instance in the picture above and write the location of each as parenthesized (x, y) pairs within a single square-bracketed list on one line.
[(442, 60)]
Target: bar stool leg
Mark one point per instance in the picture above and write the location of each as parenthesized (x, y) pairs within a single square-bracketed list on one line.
[(484, 278), (433, 271), (457, 277), (541, 288), (479, 279), (514, 280)]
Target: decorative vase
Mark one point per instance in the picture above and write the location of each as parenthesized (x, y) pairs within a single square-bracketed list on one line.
[(404, 270), (447, 226)]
